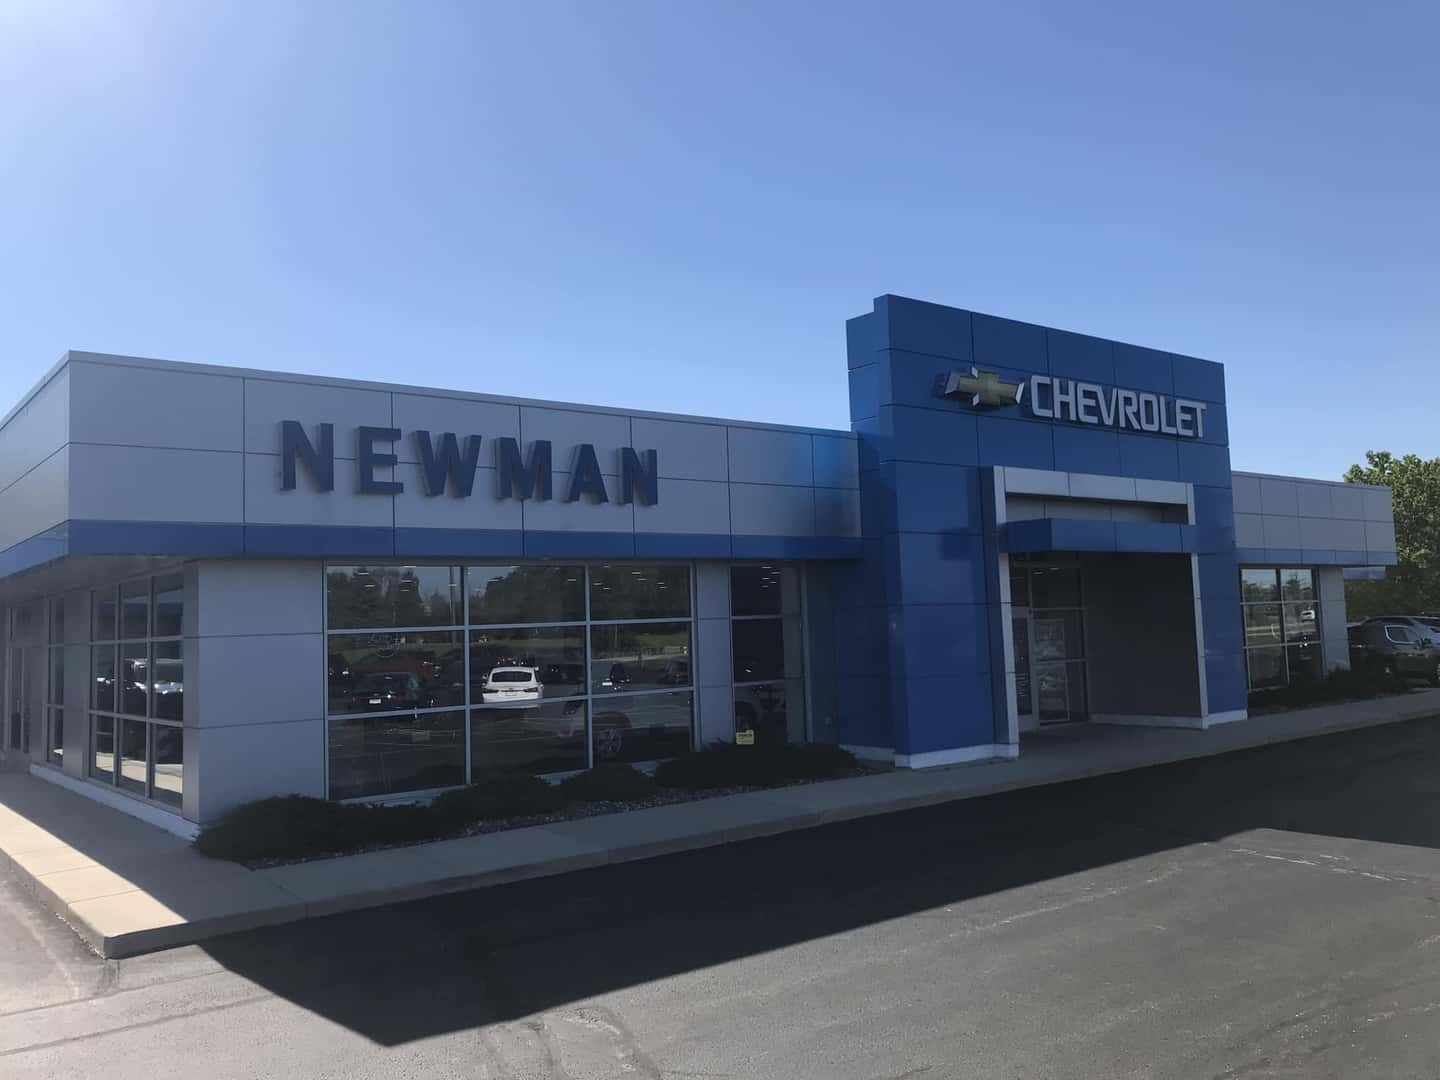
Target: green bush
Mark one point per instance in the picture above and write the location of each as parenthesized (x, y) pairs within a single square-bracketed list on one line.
[(725, 765), (610, 782), (1356, 685), (289, 826), (496, 795)]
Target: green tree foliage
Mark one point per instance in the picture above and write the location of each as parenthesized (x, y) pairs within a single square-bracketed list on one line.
[(1414, 584)]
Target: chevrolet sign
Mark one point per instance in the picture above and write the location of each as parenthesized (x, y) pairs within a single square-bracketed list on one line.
[(1053, 398)]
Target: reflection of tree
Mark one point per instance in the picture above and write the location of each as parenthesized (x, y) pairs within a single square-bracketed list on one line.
[(379, 596), (626, 591), (511, 594)]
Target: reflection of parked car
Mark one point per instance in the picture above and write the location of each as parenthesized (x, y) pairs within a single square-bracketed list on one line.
[(1395, 648), (511, 685), (563, 675), (676, 673), (383, 691), (618, 678), (1420, 625)]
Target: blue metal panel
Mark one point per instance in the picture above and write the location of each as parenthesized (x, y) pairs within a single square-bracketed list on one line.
[(1250, 556), (1007, 343), (1319, 557), (943, 639), (1225, 681), (1069, 534), (1086, 450), (942, 438), (908, 378), (1015, 442), (1204, 464), (877, 499), (935, 498), (1149, 457), (836, 462), (550, 545), (1382, 558), (1199, 380), (1153, 536), (1143, 369), (1350, 558), (859, 636), (318, 540), (1214, 505), (44, 547), (860, 342), (1216, 425), (1078, 356), (862, 705), (945, 712), (155, 538), (682, 546), (916, 326), (442, 543), (938, 568), (864, 392), (1288, 556), (796, 547)]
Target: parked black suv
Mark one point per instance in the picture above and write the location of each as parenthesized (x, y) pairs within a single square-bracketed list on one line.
[(1395, 647)]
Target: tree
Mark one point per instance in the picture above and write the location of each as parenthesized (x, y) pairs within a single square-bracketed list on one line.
[(1414, 583)]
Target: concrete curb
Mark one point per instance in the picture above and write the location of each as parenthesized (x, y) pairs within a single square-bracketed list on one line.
[(317, 889)]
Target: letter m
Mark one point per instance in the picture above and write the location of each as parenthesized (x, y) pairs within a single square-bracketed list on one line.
[(517, 480)]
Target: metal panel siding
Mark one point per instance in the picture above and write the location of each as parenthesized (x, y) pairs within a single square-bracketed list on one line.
[(38, 501), (758, 456), (684, 451), (1279, 496), (556, 514), (481, 510), (268, 402), (1200, 380), (772, 510), (922, 327), (566, 429), (139, 483), (687, 506), (837, 462), (837, 512), (265, 502), (36, 430), (436, 414), (1143, 369), (1076, 356), (131, 406)]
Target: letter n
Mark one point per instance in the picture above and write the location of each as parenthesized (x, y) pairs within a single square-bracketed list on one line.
[(295, 446), (639, 477)]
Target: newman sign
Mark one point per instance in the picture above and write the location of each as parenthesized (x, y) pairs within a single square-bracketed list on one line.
[(448, 465), (1050, 397)]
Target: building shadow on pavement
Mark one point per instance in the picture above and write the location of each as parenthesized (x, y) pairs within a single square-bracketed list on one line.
[(445, 964)]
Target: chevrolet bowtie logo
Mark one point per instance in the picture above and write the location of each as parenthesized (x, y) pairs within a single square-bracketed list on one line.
[(982, 387)]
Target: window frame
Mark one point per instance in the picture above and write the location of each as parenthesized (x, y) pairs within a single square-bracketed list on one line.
[(117, 714), (1283, 603), (470, 703)]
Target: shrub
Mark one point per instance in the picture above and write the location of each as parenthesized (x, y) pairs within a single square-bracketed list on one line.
[(496, 795), (610, 782), (1355, 685), (287, 826), (725, 765)]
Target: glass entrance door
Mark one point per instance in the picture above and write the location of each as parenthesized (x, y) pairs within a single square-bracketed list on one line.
[(1048, 633)]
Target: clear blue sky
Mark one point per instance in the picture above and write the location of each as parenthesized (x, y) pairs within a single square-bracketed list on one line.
[(676, 205)]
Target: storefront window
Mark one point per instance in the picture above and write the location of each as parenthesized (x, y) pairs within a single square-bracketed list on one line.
[(549, 668), (767, 652), (1281, 617), (137, 687)]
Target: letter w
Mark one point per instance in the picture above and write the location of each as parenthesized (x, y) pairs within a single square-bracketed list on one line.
[(450, 463)]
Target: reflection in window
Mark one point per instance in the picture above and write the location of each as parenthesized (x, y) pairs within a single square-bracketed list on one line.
[(627, 591), (642, 727), (135, 610), (102, 615), (167, 698), (639, 656), (553, 657), (169, 605), (134, 679), (133, 757), (169, 764), (766, 652), (102, 678), (381, 755), (392, 596), (774, 711), (1281, 616), (525, 594), (543, 738), (392, 671), (102, 757)]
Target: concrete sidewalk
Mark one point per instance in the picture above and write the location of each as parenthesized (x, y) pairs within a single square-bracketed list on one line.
[(128, 887)]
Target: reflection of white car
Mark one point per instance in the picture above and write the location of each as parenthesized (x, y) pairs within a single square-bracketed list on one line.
[(511, 685)]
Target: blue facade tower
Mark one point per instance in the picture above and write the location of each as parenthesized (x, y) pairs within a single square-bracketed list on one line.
[(988, 446)]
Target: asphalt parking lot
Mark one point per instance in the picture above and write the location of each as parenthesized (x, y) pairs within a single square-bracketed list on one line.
[(1268, 913)]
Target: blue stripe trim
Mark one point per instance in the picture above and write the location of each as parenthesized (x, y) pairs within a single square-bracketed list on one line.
[(155, 538), (426, 543), (1250, 556), (39, 549), (1073, 534), (91, 537)]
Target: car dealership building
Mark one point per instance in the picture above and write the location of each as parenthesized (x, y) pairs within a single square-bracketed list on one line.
[(220, 584)]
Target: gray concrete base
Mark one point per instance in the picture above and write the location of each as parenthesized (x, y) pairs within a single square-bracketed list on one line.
[(128, 887)]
